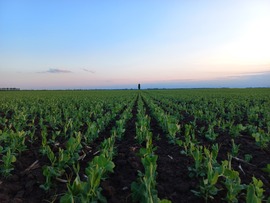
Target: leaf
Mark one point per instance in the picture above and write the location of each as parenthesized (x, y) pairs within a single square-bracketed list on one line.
[(67, 198), (214, 178), (257, 183), (77, 186), (251, 196), (267, 169), (13, 159)]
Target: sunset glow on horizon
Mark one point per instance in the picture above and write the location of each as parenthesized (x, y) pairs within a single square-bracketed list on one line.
[(118, 44)]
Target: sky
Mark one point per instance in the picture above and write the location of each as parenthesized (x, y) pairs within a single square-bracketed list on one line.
[(95, 44)]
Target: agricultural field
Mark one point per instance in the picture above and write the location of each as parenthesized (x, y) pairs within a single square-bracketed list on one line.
[(196, 145)]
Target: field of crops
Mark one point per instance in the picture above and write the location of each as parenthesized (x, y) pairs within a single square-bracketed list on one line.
[(198, 145)]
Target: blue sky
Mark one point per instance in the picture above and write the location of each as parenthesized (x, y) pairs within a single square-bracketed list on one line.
[(117, 44)]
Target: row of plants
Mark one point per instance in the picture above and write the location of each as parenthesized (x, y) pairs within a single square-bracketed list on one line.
[(214, 176), (144, 189), (168, 123)]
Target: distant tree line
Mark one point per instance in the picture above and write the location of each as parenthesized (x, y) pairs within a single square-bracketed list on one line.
[(9, 89)]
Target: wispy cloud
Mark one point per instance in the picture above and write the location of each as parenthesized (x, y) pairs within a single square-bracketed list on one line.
[(90, 71), (56, 70)]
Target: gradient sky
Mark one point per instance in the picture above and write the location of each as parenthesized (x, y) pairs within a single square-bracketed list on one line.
[(116, 44)]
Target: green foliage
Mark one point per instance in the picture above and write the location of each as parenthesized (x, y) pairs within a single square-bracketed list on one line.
[(255, 191), (235, 148), (235, 130), (7, 166), (262, 139), (197, 154), (208, 187), (248, 157), (95, 173), (90, 190), (14, 140), (43, 149), (210, 134), (92, 132), (232, 183), (173, 128), (267, 169), (65, 158), (49, 172), (144, 190)]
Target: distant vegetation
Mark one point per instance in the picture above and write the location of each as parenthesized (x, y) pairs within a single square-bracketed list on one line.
[(9, 89)]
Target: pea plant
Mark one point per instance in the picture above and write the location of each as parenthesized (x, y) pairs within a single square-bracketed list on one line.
[(144, 189), (66, 157), (8, 159)]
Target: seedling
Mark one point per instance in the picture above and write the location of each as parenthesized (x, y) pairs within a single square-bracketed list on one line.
[(255, 191), (7, 167)]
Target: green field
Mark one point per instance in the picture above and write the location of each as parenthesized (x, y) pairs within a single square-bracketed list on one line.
[(182, 145)]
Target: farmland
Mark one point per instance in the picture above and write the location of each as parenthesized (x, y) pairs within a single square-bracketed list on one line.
[(197, 145)]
